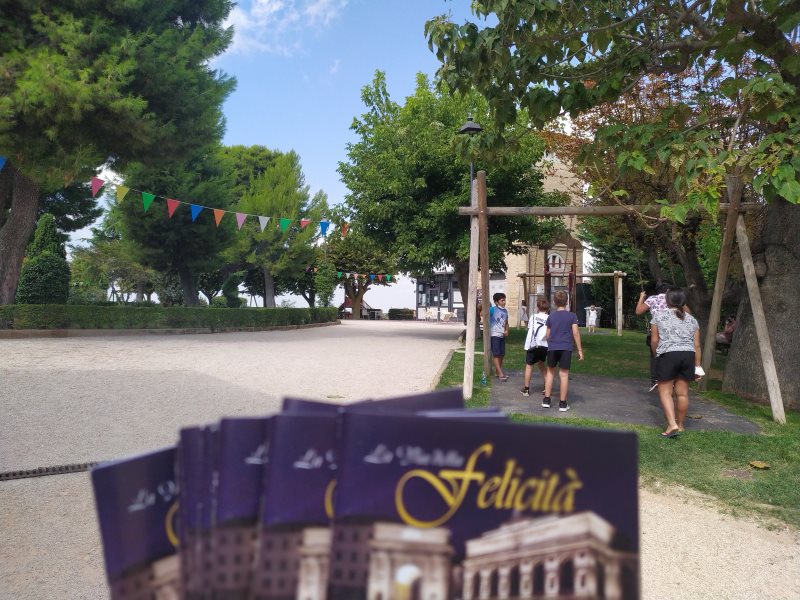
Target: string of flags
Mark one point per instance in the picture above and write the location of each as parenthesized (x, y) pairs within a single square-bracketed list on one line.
[(195, 209), (346, 275)]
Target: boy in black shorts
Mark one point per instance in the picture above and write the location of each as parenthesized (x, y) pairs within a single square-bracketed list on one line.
[(562, 329), (536, 344)]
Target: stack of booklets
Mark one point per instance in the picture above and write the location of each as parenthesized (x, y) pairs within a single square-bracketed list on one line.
[(406, 498)]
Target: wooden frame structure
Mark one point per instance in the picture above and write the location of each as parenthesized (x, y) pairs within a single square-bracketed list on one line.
[(479, 215)]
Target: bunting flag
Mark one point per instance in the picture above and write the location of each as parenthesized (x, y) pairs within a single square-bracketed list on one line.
[(97, 183), (196, 208), (372, 277), (122, 191), (338, 274), (240, 219), (171, 206), (2, 162), (345, 227), (323, 228), (147, 200), (262, 221), (218, 214), (380, 276), (285, 224), (388, 277), (304, 223)]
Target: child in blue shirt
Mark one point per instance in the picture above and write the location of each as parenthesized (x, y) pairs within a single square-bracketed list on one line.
[(498, 324)]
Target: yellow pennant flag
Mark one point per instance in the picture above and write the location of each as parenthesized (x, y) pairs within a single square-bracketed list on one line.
[(121, 192)]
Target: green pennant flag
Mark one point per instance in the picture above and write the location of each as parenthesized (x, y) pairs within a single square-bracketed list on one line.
[(285, 224), (388, 277), (147, 200), (339, 274)]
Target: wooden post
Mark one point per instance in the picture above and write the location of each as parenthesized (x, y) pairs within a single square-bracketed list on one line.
[(483, 226), (472, 299), (734, 184), (548, 281), (764, 346), (618, 300)]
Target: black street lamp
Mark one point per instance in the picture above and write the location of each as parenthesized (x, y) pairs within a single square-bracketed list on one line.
[(470, 128)]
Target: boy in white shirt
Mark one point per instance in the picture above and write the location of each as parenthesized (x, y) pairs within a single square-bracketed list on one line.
[(536, 344)]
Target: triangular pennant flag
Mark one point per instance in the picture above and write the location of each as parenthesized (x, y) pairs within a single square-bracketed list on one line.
[(97, 183), (388, 277), (147, 200), (315, 269), (285, 224), (195, 208), (240, 219), (218, 214), (338, 274), (323, 227), (380, 277), (345, 226), (122, 191), (2, 162), (262, 221), (171, 206), (372, 276), (304, 223)]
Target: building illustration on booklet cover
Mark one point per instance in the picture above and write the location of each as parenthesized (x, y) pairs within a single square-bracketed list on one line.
[(547, 557)]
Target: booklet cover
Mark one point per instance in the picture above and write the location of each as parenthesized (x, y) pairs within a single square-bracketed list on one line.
[(296, 505), (446, 399), (242, 456), (196, 468), (437, 509), (136, 502)]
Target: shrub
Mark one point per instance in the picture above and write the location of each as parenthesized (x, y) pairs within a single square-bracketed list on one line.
[(401, 314), (44, 280)]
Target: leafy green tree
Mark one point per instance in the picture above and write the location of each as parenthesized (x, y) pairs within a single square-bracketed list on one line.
[(85, 83), (45, 272), (73, 208), (554, 58), (180, 243), (356, 257), (325, 280), (408, 173), (282, 250)]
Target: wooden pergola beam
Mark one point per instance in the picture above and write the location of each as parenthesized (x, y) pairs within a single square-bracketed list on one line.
[(559, 211)]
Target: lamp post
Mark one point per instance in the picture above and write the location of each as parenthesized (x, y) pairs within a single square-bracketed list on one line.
[(471, 128)]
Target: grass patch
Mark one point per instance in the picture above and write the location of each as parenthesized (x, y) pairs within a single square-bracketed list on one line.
[(712, 462)]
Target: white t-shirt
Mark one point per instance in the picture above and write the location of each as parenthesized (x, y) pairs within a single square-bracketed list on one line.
[(537, 328)]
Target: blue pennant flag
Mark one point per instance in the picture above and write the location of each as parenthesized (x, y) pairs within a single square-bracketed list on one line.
[(372, 276), (195, 208), (323, 227), (3, 164)]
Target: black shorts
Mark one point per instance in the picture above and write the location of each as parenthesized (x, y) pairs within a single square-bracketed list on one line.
[(498, 346), (537, 354), (562, 358), (674, 365)]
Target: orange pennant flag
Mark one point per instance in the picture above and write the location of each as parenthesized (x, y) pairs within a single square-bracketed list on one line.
[(171, 206), (218, 214), (345, 226)]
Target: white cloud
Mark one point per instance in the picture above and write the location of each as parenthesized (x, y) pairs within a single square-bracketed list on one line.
[(279, 26), (335, 67)]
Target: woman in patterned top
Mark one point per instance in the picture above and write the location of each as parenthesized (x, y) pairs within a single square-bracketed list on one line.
[(676, 344)]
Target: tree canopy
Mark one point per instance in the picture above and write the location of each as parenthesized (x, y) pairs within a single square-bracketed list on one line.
[(85, 83), (408, 173)]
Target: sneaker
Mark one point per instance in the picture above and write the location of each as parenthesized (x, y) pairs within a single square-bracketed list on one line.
[(546, 401), (503, 378), (563, 406), (652, 387), (526, 391)]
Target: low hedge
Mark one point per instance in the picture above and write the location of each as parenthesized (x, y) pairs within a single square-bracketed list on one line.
[(69, 316), (401, 314)]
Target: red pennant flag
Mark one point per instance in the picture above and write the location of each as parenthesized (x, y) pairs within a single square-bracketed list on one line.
[(97, 183), (171, 206), (304, 223), (218, 214), (345, 226), (380, 277)]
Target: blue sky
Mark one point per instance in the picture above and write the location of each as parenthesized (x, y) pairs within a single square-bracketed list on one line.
[(300, 66)]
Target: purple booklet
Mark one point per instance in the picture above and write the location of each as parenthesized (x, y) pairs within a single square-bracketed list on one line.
[(196, 472), (242, 456), (466, 509), (446, 399), (136, 502)]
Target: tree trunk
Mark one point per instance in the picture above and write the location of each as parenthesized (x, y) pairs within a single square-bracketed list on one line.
[(462, 276), (269, 288), (358, 298), (187, 284), (777, 261), (19, 198)]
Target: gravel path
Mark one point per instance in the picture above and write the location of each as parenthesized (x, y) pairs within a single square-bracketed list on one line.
[(77, 400)]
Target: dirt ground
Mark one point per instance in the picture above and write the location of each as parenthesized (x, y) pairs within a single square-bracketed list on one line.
[(77, 400)]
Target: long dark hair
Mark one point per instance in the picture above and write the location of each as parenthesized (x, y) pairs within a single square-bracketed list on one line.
[(676, 298)]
